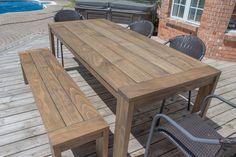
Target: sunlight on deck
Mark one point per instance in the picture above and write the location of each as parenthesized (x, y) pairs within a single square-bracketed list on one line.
[(23, 134)]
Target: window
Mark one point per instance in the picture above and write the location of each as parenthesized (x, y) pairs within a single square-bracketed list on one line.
[(232, 22), (188, 10), (178, 8)]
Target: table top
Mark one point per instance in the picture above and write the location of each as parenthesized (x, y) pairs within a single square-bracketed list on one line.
[(131, 64)]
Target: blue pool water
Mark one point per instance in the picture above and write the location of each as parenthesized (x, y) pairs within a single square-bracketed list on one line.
[(7, 6)]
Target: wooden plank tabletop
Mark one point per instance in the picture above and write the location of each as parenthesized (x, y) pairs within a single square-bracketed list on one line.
[(133, 68), (121, 57)]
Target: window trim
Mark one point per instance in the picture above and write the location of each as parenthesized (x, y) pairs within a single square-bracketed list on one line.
[(186, 12)]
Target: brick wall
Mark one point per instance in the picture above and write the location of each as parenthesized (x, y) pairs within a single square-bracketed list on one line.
[(212, 28)]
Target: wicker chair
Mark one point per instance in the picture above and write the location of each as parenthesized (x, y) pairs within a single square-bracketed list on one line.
[(189, 45), (65, 15), (193, 135), (143, 27)]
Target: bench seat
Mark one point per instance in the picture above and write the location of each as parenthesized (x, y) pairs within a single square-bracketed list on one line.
[(69, 118)]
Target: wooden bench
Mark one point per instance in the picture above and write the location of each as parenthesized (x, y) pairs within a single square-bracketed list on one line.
[(69, 118)]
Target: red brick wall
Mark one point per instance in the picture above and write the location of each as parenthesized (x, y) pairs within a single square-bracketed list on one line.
[(212, 27), (165, 30)]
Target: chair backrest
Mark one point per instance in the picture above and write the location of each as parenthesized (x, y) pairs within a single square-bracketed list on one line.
[(67, 15), (143, 27), (190, 45)]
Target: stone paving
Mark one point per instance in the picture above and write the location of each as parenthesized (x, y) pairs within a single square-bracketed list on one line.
[(18, 28)]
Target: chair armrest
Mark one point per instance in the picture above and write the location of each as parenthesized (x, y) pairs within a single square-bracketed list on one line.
[(82, 17), (150, 35), (206, 99), (185, 132), (228, 141)]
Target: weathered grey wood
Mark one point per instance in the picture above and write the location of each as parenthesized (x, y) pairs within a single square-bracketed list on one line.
[(16, 97), (23, 145), (223, 118), (22, 102), (43, 150), (23, 134), (106, 106), (18, 110), (25, 124), (18, 117)]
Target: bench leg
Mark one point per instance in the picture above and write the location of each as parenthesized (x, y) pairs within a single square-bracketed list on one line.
[(23, 72), (62, 58), (51, 39), (102, 145), (56, 152)]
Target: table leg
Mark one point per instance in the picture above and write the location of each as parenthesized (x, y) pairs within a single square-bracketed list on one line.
[(124, 117), (56, 152), (51, 40), (102, 144), (202, 93)]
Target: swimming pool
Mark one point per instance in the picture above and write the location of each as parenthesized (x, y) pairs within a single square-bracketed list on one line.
[(7, 6)]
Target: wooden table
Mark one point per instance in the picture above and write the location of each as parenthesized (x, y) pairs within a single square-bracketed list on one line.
[(134, 68)]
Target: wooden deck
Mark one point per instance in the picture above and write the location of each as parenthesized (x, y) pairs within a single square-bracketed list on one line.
[(23, 134)]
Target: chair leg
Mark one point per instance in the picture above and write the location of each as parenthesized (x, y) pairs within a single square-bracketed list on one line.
[(62, 58), (57, 48), (162, 105), (161, 110), (189, 99), (150, 136)]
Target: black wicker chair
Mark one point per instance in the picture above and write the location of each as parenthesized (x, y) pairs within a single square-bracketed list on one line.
[(65, 15), (190, 45), (143, 27), (193, 135)]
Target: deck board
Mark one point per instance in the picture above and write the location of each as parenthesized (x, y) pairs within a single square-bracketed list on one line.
[(22, 132)]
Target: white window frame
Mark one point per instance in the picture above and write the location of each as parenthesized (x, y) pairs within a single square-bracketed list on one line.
[(186, 12)]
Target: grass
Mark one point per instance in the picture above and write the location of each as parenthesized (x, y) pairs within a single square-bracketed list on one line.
[(71, 4)]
